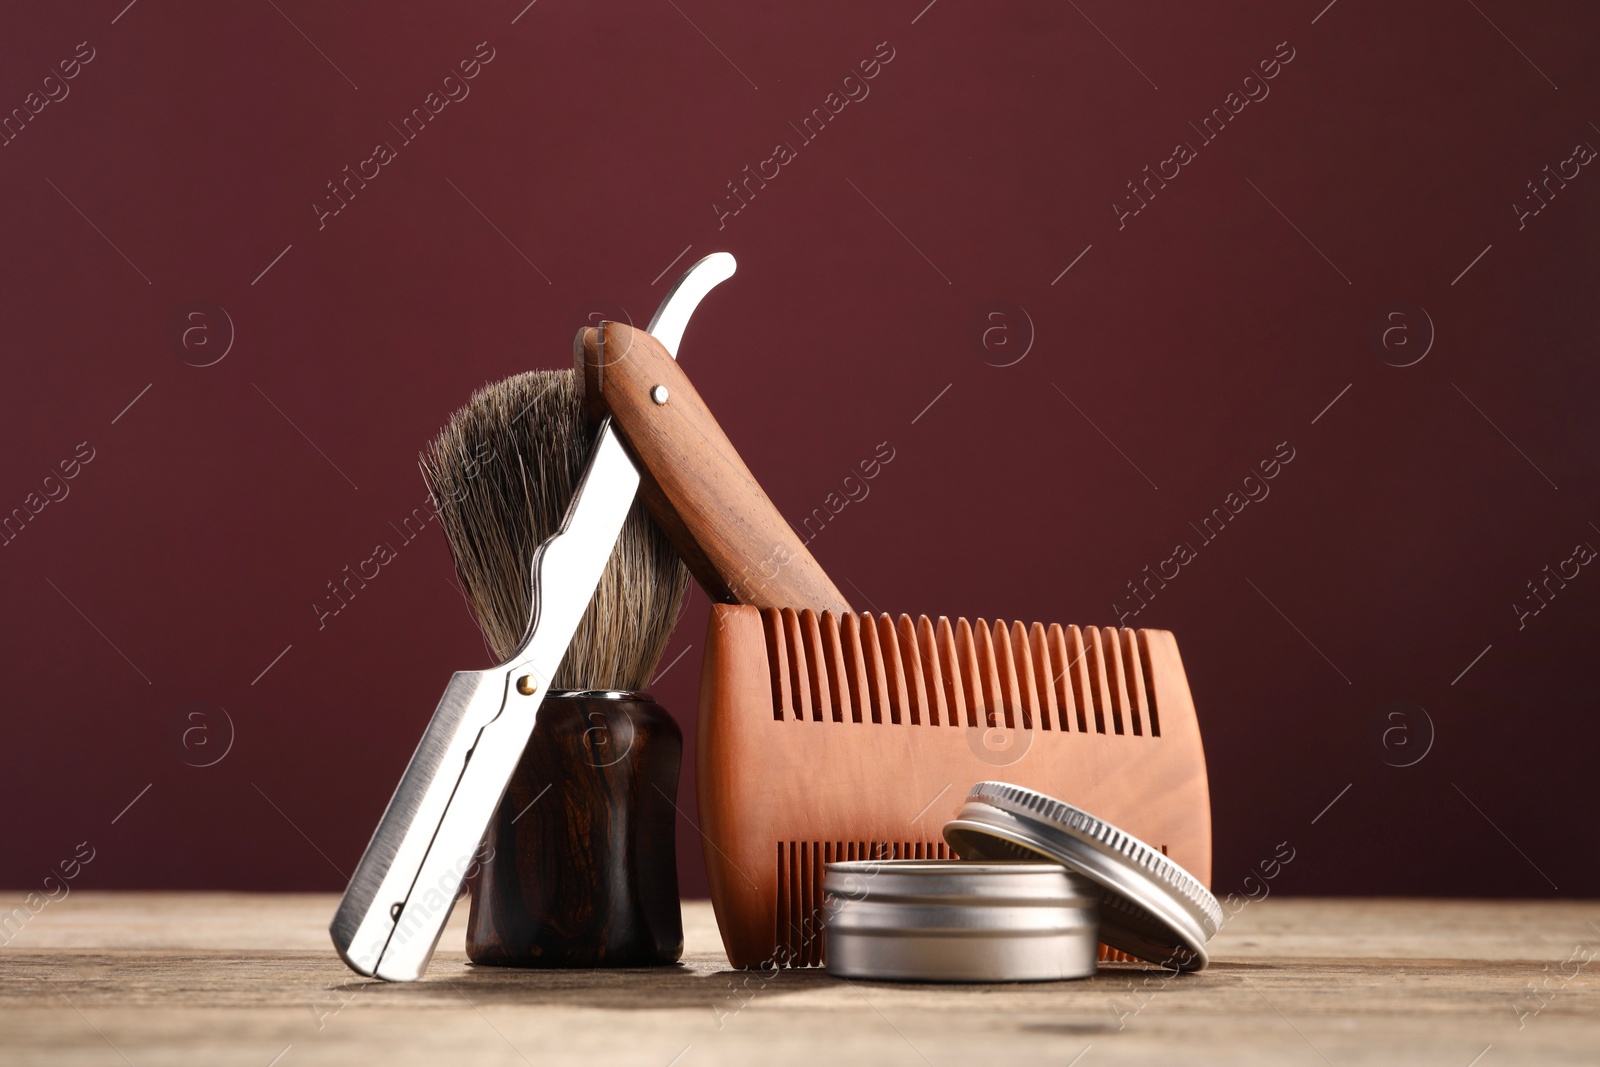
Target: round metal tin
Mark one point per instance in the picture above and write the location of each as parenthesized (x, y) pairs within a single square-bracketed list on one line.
[(1150, 907), (953, 921)]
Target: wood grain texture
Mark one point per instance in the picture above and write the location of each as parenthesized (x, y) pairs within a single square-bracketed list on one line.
[(234, 980), (698, 489), (581, 868)]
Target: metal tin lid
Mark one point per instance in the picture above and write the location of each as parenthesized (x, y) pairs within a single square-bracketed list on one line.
[(1150, 907)]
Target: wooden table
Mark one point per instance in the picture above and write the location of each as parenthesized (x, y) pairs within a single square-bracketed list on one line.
[(219, 979)]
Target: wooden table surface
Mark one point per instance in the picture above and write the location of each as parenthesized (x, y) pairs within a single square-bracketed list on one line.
[(221, 979)]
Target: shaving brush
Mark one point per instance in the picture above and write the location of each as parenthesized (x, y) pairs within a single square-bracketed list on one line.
[(580, 867)]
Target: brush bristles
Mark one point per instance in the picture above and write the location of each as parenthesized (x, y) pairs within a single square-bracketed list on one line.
[(502, 474)]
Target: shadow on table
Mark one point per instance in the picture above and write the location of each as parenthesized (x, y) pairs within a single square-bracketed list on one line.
[(680, 986), (622, 988)]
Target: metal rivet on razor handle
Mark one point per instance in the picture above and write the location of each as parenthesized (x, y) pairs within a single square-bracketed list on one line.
[(659, 394), (526, 685)]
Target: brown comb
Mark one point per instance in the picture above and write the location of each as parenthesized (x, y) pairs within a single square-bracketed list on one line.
[(851, 737)]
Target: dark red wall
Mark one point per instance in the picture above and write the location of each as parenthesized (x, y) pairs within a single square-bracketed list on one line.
[(1361, 615)]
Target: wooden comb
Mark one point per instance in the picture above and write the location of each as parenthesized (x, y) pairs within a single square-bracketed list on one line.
[(837, 736), (851, 737)]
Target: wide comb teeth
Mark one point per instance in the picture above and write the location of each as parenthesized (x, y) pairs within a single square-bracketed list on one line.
[(876, 669), (800, 920)]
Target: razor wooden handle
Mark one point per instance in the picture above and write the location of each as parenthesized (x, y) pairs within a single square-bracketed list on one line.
[(701, 494)]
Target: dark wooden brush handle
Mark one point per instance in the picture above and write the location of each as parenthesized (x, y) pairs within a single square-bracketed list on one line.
[(702, 495), (580, 867)]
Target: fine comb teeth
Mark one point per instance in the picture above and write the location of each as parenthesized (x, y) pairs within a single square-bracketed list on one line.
[(861, 668), (807, 753)]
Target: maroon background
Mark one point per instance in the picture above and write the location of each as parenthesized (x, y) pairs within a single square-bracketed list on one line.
[(1196, 338)]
